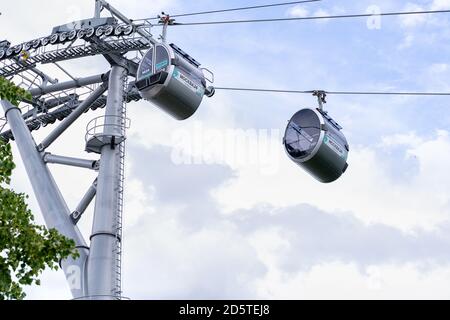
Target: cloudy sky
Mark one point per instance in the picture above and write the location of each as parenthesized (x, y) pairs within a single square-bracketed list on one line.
[(242, 221)]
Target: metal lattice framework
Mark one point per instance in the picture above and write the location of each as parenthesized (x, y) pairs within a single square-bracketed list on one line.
[(54, 101), (96, 274)]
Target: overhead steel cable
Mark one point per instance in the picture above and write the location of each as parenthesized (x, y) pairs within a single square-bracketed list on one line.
[(345, 16), (235, 9), (264, 90), (387, 93)]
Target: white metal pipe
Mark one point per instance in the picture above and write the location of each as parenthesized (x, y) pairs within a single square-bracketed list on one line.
[(98, 9), (65, 71), (76, 83), (50, 200), (69, 161), (44, 77), (85, 202)]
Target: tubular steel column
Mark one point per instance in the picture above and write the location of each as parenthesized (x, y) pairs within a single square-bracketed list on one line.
[(102, 265), (53, 207)]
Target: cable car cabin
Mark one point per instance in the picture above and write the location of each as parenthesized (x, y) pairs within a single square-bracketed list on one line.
[(315, 142), (172, 80)]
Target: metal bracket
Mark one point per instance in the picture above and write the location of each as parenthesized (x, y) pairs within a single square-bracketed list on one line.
[(115, 59), (166, 21), (210, 80), (321, 97), (84, 203), (76, 216), (98, 8), (118, 60), (102, 4)]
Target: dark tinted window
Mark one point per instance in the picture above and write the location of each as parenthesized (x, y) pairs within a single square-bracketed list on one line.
[(162, 59), (146, 68), (302, 134)]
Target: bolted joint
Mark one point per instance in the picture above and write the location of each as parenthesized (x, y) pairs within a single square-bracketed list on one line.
[(75, 217), (96, 167), (118, 60), (105, 77)]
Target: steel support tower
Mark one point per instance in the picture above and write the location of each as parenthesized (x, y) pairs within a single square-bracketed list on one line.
[(96, 274)]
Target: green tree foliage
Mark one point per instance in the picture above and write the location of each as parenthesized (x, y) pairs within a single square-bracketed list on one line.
[(9, 91), (26, 249)]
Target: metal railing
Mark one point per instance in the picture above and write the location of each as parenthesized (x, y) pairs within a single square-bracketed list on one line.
[(107, 126)]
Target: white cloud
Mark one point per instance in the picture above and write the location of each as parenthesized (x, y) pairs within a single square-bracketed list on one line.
[(169, 263), (298, 11), (410, 139), (175, 252), (407, 42), (440, 5), (178, 239), (345, 281), (419, 201), (53, 287), (420, 20), (275, 244), (411, 21), (439, 68)]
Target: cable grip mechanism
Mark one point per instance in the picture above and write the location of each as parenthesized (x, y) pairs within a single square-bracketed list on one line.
[(321, 97), (165, 20)]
